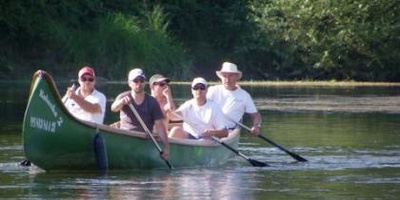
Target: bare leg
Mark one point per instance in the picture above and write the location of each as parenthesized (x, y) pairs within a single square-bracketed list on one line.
[(177, 132)]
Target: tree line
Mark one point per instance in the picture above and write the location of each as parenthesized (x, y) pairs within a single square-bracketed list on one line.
[(268, 39)]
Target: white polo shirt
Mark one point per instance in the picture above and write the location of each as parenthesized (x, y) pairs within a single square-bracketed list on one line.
[(197, 119), (78, 112), (233, 103)]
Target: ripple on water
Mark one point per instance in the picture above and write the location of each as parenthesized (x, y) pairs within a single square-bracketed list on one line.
[(324, 158)]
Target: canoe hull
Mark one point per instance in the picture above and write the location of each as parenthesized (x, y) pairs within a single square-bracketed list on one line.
[(54, 140)]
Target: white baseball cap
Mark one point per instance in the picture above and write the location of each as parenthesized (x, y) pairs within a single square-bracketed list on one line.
[(199, 80), (134, 73)]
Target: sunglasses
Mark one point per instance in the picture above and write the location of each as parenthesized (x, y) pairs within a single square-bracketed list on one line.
[(161, 84), (199, 87), (84, 79)]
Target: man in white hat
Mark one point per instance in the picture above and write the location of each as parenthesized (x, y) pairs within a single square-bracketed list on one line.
[(146, 105), (201, 118), (233, 100), (86, 103)]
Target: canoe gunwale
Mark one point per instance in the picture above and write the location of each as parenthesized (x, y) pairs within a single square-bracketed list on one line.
[(191, 142)]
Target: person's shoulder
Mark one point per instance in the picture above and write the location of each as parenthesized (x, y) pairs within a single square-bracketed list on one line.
[(242, 93), (120, 95), (187, 103), (98, 93), (211, 103), (241, 90), (215, 89), (150, 98), (214, 106), (126, 92)]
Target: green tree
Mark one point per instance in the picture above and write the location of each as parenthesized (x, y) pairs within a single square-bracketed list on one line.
[(332, 39), (61, 36), (268, 39)]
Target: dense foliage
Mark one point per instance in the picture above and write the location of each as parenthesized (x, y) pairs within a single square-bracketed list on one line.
[(324, 39), (61, 36), (268, 39)]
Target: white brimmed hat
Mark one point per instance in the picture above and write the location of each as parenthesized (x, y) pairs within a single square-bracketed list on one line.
[(228, 67), (134, 73), (199, 80)]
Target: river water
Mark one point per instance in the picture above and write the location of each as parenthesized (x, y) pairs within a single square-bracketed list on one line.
[(350, 136)]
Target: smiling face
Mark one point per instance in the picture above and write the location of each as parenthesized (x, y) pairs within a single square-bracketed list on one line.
[(87, 83)]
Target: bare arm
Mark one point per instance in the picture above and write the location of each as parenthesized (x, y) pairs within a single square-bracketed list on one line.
[(257, 120), (162, 131), (218, 133), (85, 105), (168, 96), (119, 103), (170, 105), (175, 115)]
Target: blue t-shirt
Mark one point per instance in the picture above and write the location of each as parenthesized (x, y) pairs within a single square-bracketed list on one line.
[(149, 110)]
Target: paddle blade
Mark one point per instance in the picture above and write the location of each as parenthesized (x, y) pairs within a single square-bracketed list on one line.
[(167, 162), (257, 163), (295, 156), (25, 163), (298, 158), (169, 165)]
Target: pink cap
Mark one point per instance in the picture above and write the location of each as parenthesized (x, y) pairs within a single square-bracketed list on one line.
[(86, 70)]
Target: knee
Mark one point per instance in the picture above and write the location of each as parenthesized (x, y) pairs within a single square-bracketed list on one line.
[(173, 132), (176, 132)]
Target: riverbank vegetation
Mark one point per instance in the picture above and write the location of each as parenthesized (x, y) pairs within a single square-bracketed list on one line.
[(268, 39)]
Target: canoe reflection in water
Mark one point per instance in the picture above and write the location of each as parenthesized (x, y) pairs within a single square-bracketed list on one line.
[(149, 184)]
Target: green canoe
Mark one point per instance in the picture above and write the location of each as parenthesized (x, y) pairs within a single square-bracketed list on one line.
[(54, 140)]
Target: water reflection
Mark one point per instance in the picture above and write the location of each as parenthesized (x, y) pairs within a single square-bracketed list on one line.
[(182, 184), (349, 135)]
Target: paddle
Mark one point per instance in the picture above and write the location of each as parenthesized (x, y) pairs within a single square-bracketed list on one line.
[(148, 132), (295, 156), (25, 163), (73, 87), (251, 161), (100, 81)]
